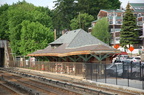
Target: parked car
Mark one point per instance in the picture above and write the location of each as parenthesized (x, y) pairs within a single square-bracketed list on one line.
[(121, 58), (133, 59), (115, 69), (137, 71), (125, 70)]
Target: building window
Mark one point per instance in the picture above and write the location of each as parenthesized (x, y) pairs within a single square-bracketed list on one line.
[(109, 14), (139, 15), (110, 22), (135, 15), (119, 22), (55, 45)]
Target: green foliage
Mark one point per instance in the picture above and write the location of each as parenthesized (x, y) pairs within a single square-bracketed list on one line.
[(66, 10), (63, 13), (129, 34), (34, 36), (82, 21), (26, 26), (92, 7), (3, 22), (13, 20), (101, 30)]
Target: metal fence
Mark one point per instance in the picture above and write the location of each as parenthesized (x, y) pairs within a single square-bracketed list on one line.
[(124, 74), (69, 68)]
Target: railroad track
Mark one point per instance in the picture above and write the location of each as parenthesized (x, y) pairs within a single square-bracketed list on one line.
[(32, 87), (6, 90), (40, 85)]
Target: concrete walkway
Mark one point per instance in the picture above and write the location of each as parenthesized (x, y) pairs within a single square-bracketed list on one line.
[(123, 82)]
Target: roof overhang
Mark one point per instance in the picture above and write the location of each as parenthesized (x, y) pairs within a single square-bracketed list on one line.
[(75, 53)]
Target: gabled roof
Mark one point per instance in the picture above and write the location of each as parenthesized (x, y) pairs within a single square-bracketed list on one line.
[(67, 37), (78, 38), (112, 10), (138, 7), (76, 42)]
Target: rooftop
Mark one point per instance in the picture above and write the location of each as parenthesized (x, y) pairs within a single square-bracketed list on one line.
[(112, 10), (138, 7), (76, 42)]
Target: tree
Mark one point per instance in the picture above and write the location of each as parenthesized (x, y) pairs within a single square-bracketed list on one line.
[(63, 13), (34, 36), (66, 10), (128, 34), (101, 30), (3, 22), (92, 7), (14, 29), (82, 21)]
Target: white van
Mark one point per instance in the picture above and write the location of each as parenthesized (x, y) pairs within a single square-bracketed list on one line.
[(121, 57)]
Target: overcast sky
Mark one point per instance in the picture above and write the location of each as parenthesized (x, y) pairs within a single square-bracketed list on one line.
[(50, 4)]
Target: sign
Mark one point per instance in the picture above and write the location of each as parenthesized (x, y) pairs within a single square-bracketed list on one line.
[(116, 46), (131, 48)]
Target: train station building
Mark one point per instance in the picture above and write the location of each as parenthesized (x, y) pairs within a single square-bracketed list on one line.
[(73, 49)]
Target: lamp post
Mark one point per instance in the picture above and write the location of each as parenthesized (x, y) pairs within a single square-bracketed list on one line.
[(76, 2)]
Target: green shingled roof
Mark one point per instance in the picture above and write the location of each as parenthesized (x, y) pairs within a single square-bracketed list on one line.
[(137, 4), (112, 10), (138, 7)]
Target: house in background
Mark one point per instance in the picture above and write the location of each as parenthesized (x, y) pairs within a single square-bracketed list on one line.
[(115, 18)]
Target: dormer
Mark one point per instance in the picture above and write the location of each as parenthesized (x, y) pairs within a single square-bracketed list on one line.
[(53, 46)]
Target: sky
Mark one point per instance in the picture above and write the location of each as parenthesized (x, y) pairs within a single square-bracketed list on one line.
[(45, 3), (50, 4)]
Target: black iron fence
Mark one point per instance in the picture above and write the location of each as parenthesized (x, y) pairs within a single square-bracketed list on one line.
[(70, 68), (124, 74)]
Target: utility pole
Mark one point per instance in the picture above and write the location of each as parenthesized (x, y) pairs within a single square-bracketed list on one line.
[(79, 21)]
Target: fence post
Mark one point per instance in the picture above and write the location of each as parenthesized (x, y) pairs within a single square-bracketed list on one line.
[(96, 71), (123, 70), (105, 73), (131, 70), (140, 70), (128, 73), (116, 74), (84, 70), (91, 71)]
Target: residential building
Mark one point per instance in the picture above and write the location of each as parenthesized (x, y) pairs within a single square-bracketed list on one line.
[(115, 18)]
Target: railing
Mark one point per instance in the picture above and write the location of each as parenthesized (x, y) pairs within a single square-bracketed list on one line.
[(124, 74), (70, 68)]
